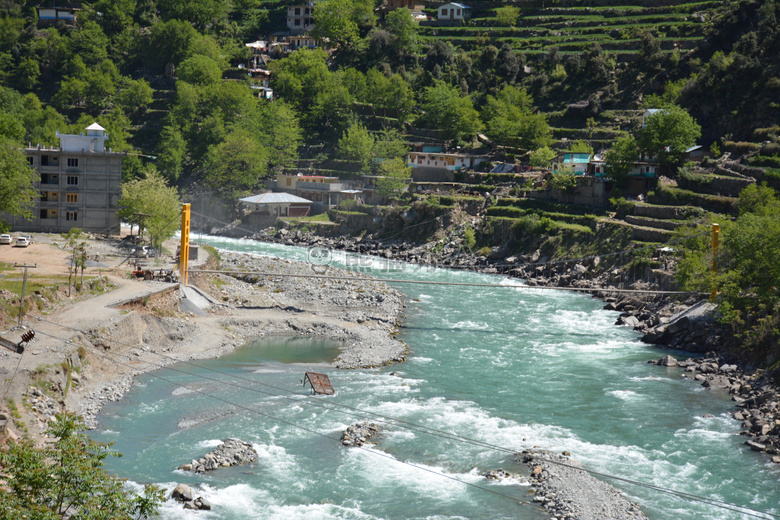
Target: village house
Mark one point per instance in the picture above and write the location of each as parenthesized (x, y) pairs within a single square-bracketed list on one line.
[(300, 18), (324, 192), (454, 12), (576, 163), (79, 187), (448, 161), (57, 14), (277, 205)]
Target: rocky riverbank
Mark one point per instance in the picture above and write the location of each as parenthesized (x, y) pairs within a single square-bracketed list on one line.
[(680, 322)]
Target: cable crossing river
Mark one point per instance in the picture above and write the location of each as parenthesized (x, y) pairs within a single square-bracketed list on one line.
[(489, 373)]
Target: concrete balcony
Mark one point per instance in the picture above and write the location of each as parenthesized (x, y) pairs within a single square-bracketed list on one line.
[(319, 186)]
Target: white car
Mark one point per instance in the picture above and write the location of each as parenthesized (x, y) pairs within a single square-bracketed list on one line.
[(22, 242), (6, 239)]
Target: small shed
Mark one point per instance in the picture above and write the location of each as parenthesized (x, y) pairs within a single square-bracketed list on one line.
[(278, 204), (454, 11)]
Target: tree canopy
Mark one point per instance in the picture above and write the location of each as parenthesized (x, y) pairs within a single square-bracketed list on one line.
[(151, 197), (16, 180), (67, 475), (668, 133)]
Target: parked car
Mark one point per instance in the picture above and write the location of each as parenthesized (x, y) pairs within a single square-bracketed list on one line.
[(144, 251), (22, 242), (6, 239), (28, 237)]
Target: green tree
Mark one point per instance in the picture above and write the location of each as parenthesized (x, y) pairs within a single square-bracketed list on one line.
[(52, 481), (507, 15), (509, 119), (151, 196), (171, 153), (338, 22), (356, 144), (199, 70), (390, 145), (389, 93), (299, 77), (541, 157), (620, 159), (394, 178), (16, 180), (668, 133), (580, 146), (448, 111), (169, 43), (134, 95), (759, 200), (277, 127), (401, 25), (237, 165)]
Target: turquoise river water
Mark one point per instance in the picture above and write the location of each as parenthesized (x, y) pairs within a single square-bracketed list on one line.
[(510, 368)]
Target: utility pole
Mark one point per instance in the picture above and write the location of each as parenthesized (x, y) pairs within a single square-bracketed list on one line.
[(24, 289)]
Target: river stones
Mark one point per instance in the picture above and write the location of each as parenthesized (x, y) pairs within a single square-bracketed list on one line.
[(232, 452), (358, 434)]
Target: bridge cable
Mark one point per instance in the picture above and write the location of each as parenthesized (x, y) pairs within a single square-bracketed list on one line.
[(401, 422)]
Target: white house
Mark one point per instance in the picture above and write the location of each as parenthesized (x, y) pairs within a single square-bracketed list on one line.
[(649, 112), (448, 161), (453, 11)]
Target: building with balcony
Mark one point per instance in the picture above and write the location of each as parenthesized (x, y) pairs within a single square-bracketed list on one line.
[(300, 18), (324, 192), (79, 187)]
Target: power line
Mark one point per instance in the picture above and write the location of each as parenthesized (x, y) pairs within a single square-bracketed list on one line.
[(412, 426), (304, 428), (426, 282)]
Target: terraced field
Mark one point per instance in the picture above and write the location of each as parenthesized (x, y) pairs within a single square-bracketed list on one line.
[(677, 26)]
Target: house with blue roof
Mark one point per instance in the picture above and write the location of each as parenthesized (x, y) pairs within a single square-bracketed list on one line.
[(574, 162), (453, 12)]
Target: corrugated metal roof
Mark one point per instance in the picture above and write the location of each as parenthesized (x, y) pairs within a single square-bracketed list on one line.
[(274, 198)]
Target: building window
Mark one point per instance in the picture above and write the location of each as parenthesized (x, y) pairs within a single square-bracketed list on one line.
[(72, 180), (289, 181), (30, 160), (72, 197), (297, 21), (297, 11), (73, 162), (71, 215)]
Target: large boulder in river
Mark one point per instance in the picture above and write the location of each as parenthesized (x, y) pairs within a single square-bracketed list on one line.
[(182, 493), (667, 361)]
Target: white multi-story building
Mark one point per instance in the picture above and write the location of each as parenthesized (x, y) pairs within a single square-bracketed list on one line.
[(79, 187)]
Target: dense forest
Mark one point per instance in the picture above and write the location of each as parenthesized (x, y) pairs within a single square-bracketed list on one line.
[(165, 79)]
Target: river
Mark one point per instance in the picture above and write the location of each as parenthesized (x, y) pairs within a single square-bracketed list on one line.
[(509, 368)]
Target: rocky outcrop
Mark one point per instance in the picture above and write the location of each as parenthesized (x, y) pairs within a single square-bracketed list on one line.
[(359, 434), (694, 330), (232, 452)]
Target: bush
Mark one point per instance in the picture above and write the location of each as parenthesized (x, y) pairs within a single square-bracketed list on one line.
[(763, 160), (469, 238)]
